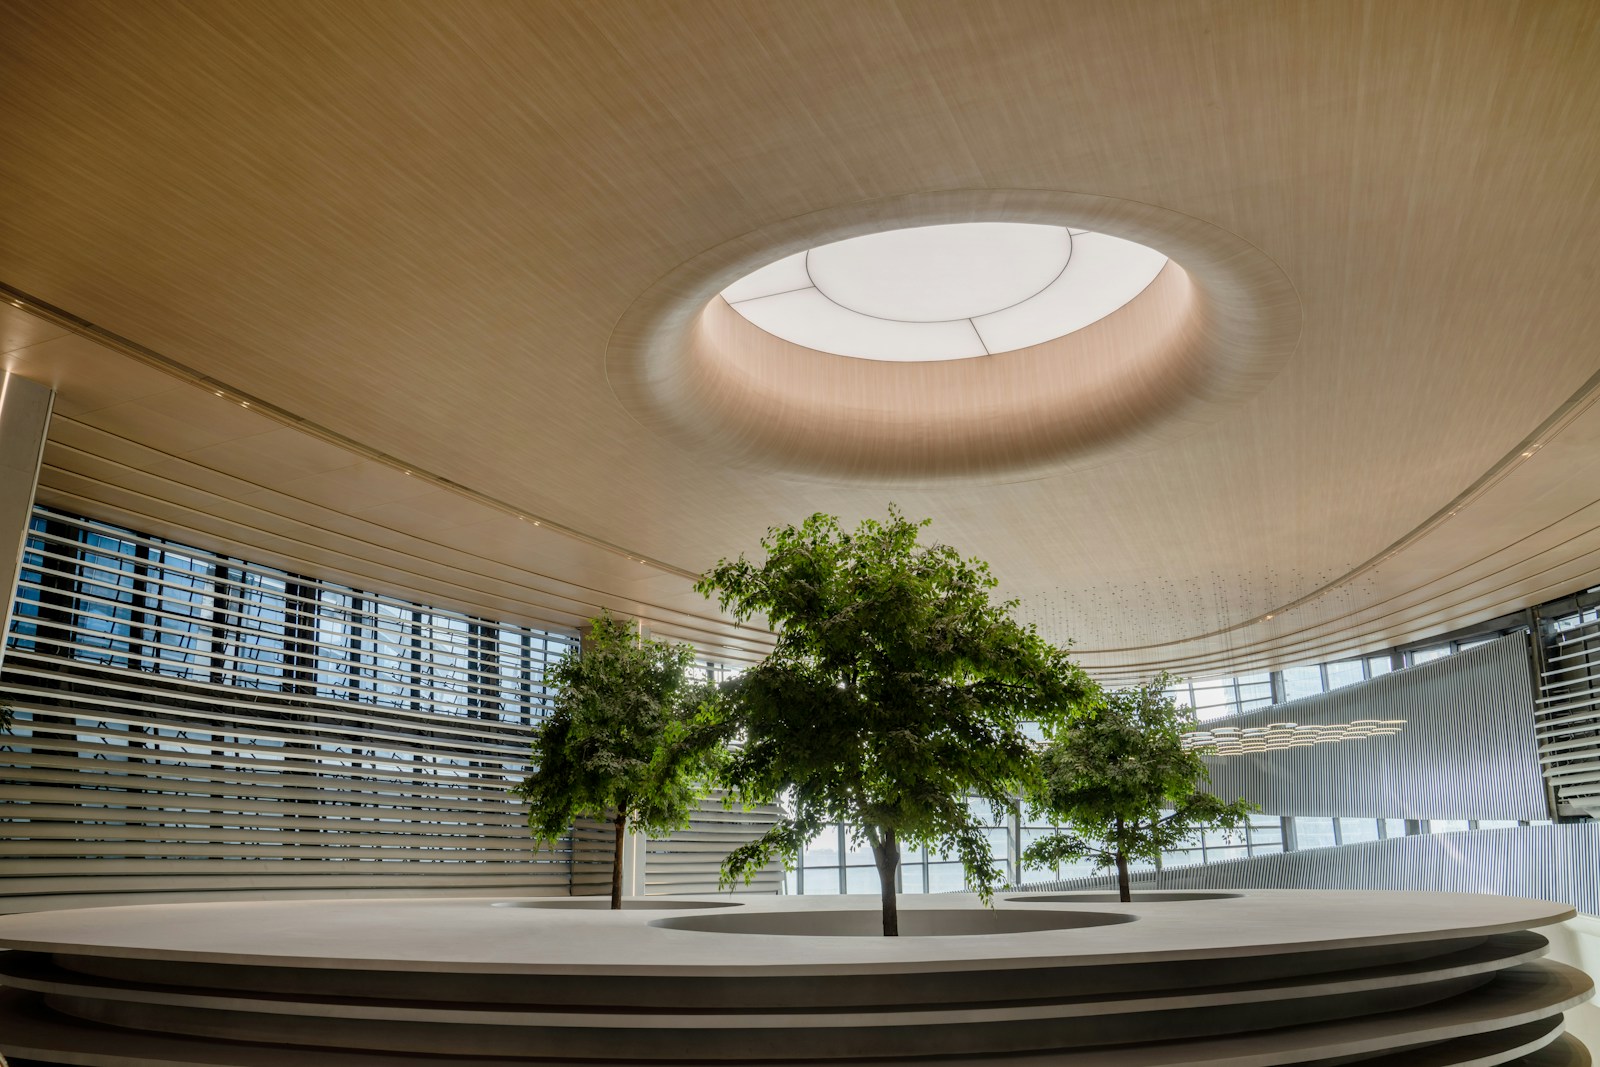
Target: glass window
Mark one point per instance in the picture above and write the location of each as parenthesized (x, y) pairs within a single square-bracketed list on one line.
[(1377, 665), (1301, 682), (1345, 672), (1353, 830), (1039, 874), (1266, 835), (1425, 655), (946, 878), (1214, 699), (1313, 833), (823, 850), (1497, 824), (1255, 691), (1216, 838), (986, 813), (861, 880), (1079, 869), (1447, 826), (822, 882), (1223, 855), (1394, 827)]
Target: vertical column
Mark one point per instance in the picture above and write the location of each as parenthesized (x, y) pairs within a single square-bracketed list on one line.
[(1541, 636), (633, 865), (24, 420)]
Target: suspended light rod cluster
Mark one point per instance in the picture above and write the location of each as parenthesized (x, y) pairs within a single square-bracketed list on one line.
[(1235, 740)]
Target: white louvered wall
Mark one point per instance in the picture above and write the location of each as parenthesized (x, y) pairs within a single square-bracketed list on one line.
[(1569, 717), (189, 723), (1467, 749), (690, 861), (1554, 862)]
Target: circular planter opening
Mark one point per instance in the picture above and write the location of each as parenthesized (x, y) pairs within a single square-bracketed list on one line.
[(604, 904), (1158, 897), (920, 922)]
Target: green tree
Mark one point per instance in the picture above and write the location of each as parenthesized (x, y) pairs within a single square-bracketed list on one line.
[(632, 738), (897, 688), (1123, 781)]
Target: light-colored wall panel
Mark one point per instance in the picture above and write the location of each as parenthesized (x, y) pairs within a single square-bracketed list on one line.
[(24, 417), (1555, 862), (1467, 749)]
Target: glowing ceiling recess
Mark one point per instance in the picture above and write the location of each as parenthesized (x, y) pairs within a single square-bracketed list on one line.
[(945, 292)]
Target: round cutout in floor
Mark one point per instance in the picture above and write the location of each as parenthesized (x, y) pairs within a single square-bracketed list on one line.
[(628, 904), (918, 922)]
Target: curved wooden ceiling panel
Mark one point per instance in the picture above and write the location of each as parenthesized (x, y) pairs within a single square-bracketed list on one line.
[(407, 239)]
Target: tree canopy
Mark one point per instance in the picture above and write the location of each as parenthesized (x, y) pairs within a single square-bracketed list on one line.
[(898, 688), (1123, 781), (631, 738)]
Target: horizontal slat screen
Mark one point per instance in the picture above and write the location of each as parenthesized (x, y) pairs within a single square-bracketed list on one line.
[(189, 723), (690, 861), (1569, 715), (1469, 722)]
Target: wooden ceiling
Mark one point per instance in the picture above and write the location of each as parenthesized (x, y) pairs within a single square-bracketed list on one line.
[(403, 234)]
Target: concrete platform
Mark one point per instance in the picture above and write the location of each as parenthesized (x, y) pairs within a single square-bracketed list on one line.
[(1254, 978)]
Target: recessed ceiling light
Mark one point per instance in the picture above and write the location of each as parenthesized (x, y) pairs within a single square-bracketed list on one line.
[(956, 291)]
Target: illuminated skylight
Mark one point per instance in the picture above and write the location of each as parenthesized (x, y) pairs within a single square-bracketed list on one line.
[(945, 292)]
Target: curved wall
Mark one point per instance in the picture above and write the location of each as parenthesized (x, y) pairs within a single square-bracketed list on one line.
[(1469, 722)]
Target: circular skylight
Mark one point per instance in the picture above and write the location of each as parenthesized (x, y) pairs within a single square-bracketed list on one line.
[(945, 292)]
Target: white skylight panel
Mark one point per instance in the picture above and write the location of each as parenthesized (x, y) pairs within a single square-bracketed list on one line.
[(939, 273), (783, 276), (809, 319), (1105, 273), (945, 292)]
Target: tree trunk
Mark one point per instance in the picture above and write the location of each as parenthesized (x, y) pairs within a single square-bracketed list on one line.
[(616, 864), (1123, 889), (886, 855)]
